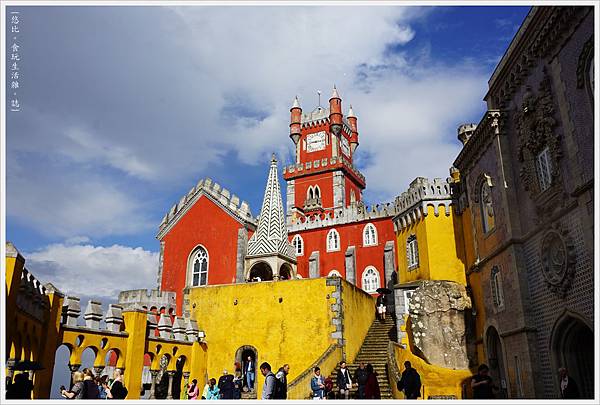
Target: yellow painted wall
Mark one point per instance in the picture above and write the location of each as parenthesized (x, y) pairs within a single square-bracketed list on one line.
[(296, 330), (418, 229), (440, 250), (435, 380), (359, 313)]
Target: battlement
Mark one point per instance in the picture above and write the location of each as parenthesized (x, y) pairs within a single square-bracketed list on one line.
[(220, 195), (412, 204), (32, 298), (353, 213), (321, 165), (148, 299), (170, 329), (320, 116)]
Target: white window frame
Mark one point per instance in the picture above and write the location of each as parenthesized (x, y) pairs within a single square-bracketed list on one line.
[(407, 296), (369, 235), (333, 241), (191, 272), (412, 252), (543, 166), (370, 285), (334, 273), (496, 288), (298, 244)]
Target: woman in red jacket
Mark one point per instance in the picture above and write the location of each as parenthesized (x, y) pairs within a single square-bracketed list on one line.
[(372, 386)]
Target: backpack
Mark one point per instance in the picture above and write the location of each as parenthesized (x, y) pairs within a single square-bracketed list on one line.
[(279, 390), (90, 390)]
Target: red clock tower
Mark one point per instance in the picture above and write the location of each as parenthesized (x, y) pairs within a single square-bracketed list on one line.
[(323, 177)]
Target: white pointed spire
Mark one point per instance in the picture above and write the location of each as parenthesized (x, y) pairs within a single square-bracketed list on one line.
[(351, 112), (271, 236), (335, 93), (296, 103)]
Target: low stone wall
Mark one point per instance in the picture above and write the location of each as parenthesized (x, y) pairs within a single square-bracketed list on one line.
[(299, 388)]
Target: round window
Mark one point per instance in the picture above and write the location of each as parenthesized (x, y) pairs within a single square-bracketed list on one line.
[(554, 258)]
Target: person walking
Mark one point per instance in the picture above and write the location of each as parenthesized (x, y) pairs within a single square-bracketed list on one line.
[(76, 391), (568, 386), (381, 306), (482, 384), (317, 384), (238, 384), (281, 383), (90, 387), (344, 382), (193, 390), (410, 382), (212, 392), (372, 390), (269, 386), (361, 376), (250, 370), (117, 389), (226, 385), (101, 381)]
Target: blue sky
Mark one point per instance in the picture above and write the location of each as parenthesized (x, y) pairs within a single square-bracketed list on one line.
[(124, 109)]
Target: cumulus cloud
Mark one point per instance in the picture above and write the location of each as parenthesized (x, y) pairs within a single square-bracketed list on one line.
[(167, 94), (94, 271)]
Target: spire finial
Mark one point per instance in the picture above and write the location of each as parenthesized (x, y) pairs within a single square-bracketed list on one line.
[(351, 112), (319, 94), (273, 158), (296, 103), (335, 93)]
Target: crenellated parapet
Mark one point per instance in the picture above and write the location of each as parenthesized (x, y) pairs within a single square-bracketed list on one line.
[(412, 205), (320, 116), (353, 213), (219, 195), (324, 164), (148, 299), (32, 298)]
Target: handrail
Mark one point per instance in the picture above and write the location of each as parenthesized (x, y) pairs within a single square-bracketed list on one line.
[(308, 372)]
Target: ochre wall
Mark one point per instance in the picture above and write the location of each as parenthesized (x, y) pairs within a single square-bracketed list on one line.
[(440, 252), (435, 380), (204, 224), (359, 313), (350, 235), (296, 330)]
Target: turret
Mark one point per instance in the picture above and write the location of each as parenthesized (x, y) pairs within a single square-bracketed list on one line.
[(335, 112), (354, 136), (465, 131), (296, 113)]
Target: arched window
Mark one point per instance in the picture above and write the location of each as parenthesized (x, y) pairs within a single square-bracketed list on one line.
[(370, 279), (334, 273), (333, 241), (317, 192), (298, 244), (198, 267), (310, 194), (352, 197), (369, 235), (487, 207), (412, 252), (496, 286)]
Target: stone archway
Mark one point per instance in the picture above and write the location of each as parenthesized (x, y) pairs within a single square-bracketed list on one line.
[(285, 272), (495, 356), (241, 357), (572, 345), (260, 271)]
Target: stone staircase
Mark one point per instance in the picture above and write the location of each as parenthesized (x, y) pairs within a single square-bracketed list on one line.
[(373, 351)]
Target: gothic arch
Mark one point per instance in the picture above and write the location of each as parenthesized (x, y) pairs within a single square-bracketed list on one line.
[(262, 270), (189, 270), (496, 361), (572, 346)]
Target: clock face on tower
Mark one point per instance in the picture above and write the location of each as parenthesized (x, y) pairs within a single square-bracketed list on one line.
[(345, 146), (316, 141)]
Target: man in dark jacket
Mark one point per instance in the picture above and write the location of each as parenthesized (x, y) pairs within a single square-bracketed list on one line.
[(360, 377), (410, 382), (281, 383), (344, 382), (226, 385), (568, 386)]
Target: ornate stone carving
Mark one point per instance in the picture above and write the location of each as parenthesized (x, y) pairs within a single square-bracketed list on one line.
[(558, 260), (536, 129)]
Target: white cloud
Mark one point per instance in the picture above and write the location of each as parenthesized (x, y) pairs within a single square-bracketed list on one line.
[(88, 270)]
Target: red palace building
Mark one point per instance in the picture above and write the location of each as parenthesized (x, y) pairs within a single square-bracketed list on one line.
[(209, 237)]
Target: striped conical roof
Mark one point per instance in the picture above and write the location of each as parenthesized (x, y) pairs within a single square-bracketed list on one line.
[(271, 236)]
